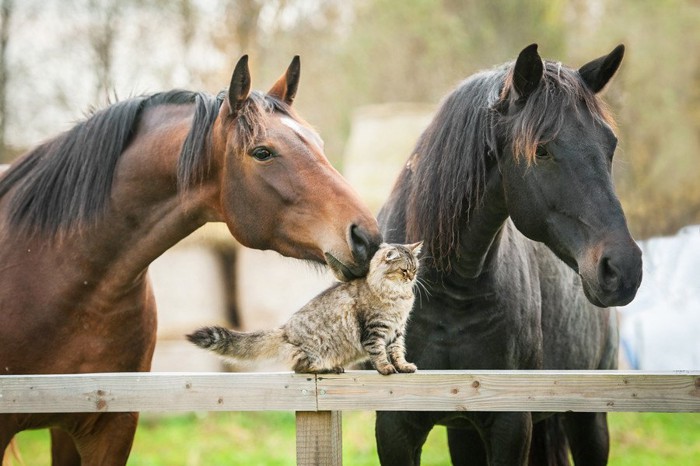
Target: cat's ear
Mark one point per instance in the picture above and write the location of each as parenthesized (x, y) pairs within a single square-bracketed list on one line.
[(416, 248), (391, 255)]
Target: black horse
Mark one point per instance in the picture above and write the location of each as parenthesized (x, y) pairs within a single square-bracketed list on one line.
[(510, 188)]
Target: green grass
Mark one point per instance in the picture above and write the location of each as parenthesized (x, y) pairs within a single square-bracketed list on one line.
[(268, 438)]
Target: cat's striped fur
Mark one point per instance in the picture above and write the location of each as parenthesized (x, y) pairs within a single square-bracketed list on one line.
[(347, 323)]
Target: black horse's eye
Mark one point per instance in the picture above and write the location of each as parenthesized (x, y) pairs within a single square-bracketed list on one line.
[(262, 154), (541, 152)]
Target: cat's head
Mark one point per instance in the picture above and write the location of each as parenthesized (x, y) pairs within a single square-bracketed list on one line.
[(397, 262)]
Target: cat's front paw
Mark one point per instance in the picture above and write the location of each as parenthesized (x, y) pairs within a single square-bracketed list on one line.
[(386, 369), (407, 367)]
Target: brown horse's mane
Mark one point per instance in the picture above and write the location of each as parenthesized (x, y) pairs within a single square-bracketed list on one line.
[(196, 154), (66, 181), (449, 163)]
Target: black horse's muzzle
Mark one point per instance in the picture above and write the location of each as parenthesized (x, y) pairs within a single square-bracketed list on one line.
[(611, 272)]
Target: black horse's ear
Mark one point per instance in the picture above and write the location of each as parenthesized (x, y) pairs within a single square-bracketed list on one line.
[(527, 72), (285, 89), (597, 73), (239, 89)]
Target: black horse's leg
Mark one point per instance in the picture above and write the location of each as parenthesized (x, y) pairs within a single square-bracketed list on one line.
[(507, 437), (588, 438), (400, 437), (549, 444), (466, 447), (63, 450)]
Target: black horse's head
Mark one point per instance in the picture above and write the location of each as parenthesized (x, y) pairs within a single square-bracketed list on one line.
[(554, 146)]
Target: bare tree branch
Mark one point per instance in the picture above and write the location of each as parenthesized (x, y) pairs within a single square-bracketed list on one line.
[(5, 17)]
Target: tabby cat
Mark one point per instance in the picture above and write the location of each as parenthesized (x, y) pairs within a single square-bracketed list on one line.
[(347, 323)]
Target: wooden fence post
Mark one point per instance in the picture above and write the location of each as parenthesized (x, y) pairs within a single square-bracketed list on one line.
[(319, 438)]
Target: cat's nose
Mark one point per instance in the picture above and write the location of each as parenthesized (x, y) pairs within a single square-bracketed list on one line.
[(363, 246)]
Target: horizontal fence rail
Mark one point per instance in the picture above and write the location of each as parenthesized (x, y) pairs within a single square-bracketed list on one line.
[(320, 399), (548, 391)]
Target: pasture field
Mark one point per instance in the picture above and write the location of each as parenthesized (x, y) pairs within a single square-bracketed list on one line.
[(268, 438)]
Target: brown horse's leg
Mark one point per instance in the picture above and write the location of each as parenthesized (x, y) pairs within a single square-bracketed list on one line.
[(12, 454), (4, 443), (104, 439), (63, 450), (8, 429)]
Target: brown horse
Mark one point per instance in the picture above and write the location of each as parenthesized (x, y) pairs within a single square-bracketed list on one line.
[(83, 215)]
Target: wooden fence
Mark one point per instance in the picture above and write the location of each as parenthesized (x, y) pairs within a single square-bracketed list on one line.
[(318, 400)]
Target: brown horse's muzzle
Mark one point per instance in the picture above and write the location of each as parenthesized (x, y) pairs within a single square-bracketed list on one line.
[(363, 243)]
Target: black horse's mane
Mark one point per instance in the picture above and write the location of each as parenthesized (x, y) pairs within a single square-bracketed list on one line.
[(446, 174), (67, 180)]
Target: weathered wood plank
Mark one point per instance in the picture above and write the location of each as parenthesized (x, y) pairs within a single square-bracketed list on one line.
[(319, 438), (548, 391), (199, 391), (356, 390)]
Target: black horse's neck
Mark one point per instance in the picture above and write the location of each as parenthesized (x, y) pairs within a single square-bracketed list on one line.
[(481, 228)]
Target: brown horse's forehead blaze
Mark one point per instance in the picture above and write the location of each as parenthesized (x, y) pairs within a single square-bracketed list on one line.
[(304, 132)]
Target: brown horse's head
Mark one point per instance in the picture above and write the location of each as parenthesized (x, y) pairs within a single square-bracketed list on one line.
[(278, 190)]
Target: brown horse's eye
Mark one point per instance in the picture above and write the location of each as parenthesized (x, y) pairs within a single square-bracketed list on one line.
[(262, 154)]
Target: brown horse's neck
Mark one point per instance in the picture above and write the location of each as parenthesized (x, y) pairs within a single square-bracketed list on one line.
[(481, 229), (85, 294), (146, 215)]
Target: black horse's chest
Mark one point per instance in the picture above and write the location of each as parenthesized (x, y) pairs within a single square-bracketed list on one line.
[(475, 326)]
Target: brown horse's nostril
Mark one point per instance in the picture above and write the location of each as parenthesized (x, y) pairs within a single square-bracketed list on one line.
[(359, 244)]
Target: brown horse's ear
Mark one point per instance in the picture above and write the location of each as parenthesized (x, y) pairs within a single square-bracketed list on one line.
[(285, 89), (527, 72), (597, 73), (239, 89)]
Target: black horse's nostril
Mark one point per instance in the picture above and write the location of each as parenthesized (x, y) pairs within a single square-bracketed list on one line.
[(609, 275), (614, 277)]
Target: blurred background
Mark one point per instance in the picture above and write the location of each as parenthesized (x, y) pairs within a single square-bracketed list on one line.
[(373, 72)]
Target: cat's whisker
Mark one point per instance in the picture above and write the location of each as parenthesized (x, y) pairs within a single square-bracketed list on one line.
[(421, 289)]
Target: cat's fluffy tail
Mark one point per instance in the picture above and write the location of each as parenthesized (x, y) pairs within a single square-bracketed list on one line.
[(242, 346)]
